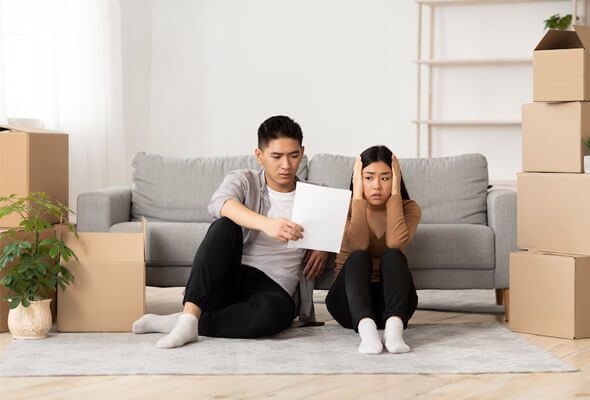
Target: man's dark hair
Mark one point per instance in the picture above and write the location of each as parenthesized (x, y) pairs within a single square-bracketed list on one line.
[(381, 153), (277, 127)]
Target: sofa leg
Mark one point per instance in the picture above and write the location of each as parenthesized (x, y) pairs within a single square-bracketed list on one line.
[(499, 297), (503, 299)]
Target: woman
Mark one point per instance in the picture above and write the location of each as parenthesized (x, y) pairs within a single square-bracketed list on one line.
[(374, 288)]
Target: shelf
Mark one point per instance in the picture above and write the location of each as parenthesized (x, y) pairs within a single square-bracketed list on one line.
[(467, 2), (475, 61), (467, 123)]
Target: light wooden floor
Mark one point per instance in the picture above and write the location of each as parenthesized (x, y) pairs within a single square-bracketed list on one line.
[(484, 386)]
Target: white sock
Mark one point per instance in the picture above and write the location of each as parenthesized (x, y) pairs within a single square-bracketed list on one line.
[(394, 340), (186, 330), (150, 323), (370, 341)]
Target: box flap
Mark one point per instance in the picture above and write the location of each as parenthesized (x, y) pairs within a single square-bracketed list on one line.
[(558, 253), (555, 39), (14, 128)]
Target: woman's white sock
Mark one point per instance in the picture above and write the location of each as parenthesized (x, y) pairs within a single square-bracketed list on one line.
[(370, 341), (394, 340), (152, 323), (186, 330)]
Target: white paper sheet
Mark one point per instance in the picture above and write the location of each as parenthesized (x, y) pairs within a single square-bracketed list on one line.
[(321, 211)]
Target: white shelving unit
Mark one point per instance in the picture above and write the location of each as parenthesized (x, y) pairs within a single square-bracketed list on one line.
[(424, 120)]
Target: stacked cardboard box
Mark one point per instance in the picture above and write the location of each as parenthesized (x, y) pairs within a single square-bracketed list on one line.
[(32, 160), (550, 281)]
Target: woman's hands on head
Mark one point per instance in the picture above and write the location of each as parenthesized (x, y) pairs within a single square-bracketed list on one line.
[(357, 179), (396, 176)]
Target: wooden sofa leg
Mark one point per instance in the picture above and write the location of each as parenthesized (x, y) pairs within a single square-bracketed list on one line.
[(499, 297)]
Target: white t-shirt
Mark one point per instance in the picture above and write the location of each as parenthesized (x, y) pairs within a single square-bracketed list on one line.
[(272, 256)]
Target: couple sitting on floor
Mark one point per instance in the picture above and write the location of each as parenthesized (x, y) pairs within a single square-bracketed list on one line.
[(246, 283)]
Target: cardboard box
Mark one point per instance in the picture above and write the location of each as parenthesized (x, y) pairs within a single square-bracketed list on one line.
[(549, 294), (552, 136), (32, 160), (553, 212), (561, 66), (108, 292)]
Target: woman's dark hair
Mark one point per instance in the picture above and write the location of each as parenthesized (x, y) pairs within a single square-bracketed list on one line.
[(277, 127), (381, 153)]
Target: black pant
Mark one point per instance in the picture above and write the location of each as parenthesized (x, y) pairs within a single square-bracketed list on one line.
[(237, 301), (353, 296)]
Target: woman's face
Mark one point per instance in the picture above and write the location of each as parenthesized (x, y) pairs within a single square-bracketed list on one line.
[(377, 183)]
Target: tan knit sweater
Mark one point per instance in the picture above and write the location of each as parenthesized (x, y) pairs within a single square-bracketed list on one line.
[(403, 217)]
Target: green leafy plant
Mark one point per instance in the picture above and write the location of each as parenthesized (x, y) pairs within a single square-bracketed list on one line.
[(37, 269), (587, 142), (557, 22)]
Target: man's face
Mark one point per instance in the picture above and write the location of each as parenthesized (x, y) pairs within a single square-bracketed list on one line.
[(280, 159)]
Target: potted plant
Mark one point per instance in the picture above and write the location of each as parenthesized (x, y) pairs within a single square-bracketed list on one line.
[(33, 256), (560, 23)]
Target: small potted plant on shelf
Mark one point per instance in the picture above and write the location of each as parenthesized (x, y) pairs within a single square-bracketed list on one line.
[(33, 255), (557, 22)]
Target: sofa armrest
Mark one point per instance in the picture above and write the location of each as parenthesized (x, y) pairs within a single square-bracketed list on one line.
[(502, 219), (99, 209)]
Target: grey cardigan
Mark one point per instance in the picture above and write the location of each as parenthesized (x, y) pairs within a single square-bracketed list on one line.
[(249, 188)]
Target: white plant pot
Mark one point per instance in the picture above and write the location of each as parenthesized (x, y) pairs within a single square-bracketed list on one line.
[(32, 322), (587, 164)]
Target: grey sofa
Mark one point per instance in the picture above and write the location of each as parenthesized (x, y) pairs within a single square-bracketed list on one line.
[(463, 241)]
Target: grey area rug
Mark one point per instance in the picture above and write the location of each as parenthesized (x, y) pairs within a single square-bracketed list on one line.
[(330, 349)]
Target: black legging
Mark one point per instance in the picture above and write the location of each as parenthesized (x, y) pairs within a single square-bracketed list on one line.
[(353, 296), (236, 300)]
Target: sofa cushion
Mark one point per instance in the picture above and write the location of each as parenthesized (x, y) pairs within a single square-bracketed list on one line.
[(449, 189), (168, 243), (452, 246), (179, 189)]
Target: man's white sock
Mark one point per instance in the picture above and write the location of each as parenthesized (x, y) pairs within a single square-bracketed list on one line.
[(370, 341), (394, 340), (185, 331), (150, 323)]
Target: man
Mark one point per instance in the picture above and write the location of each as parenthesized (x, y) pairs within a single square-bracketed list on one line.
[(245, 282)]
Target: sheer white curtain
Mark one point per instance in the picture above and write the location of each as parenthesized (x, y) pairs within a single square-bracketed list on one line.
[(2, 75), (60, 68)]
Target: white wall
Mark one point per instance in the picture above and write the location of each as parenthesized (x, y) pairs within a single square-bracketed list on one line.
[(204, 74)]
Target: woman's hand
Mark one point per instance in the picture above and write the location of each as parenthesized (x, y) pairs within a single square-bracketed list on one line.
[(357, 179), (396, 176)]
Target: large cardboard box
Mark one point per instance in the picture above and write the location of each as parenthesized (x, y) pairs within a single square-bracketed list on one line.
[(553, 212), (553, 135), (549, 294), (32, 160), (108, 292), (561, 66)]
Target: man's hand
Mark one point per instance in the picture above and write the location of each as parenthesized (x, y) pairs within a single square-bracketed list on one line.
[(314, 261), (282, 229)]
